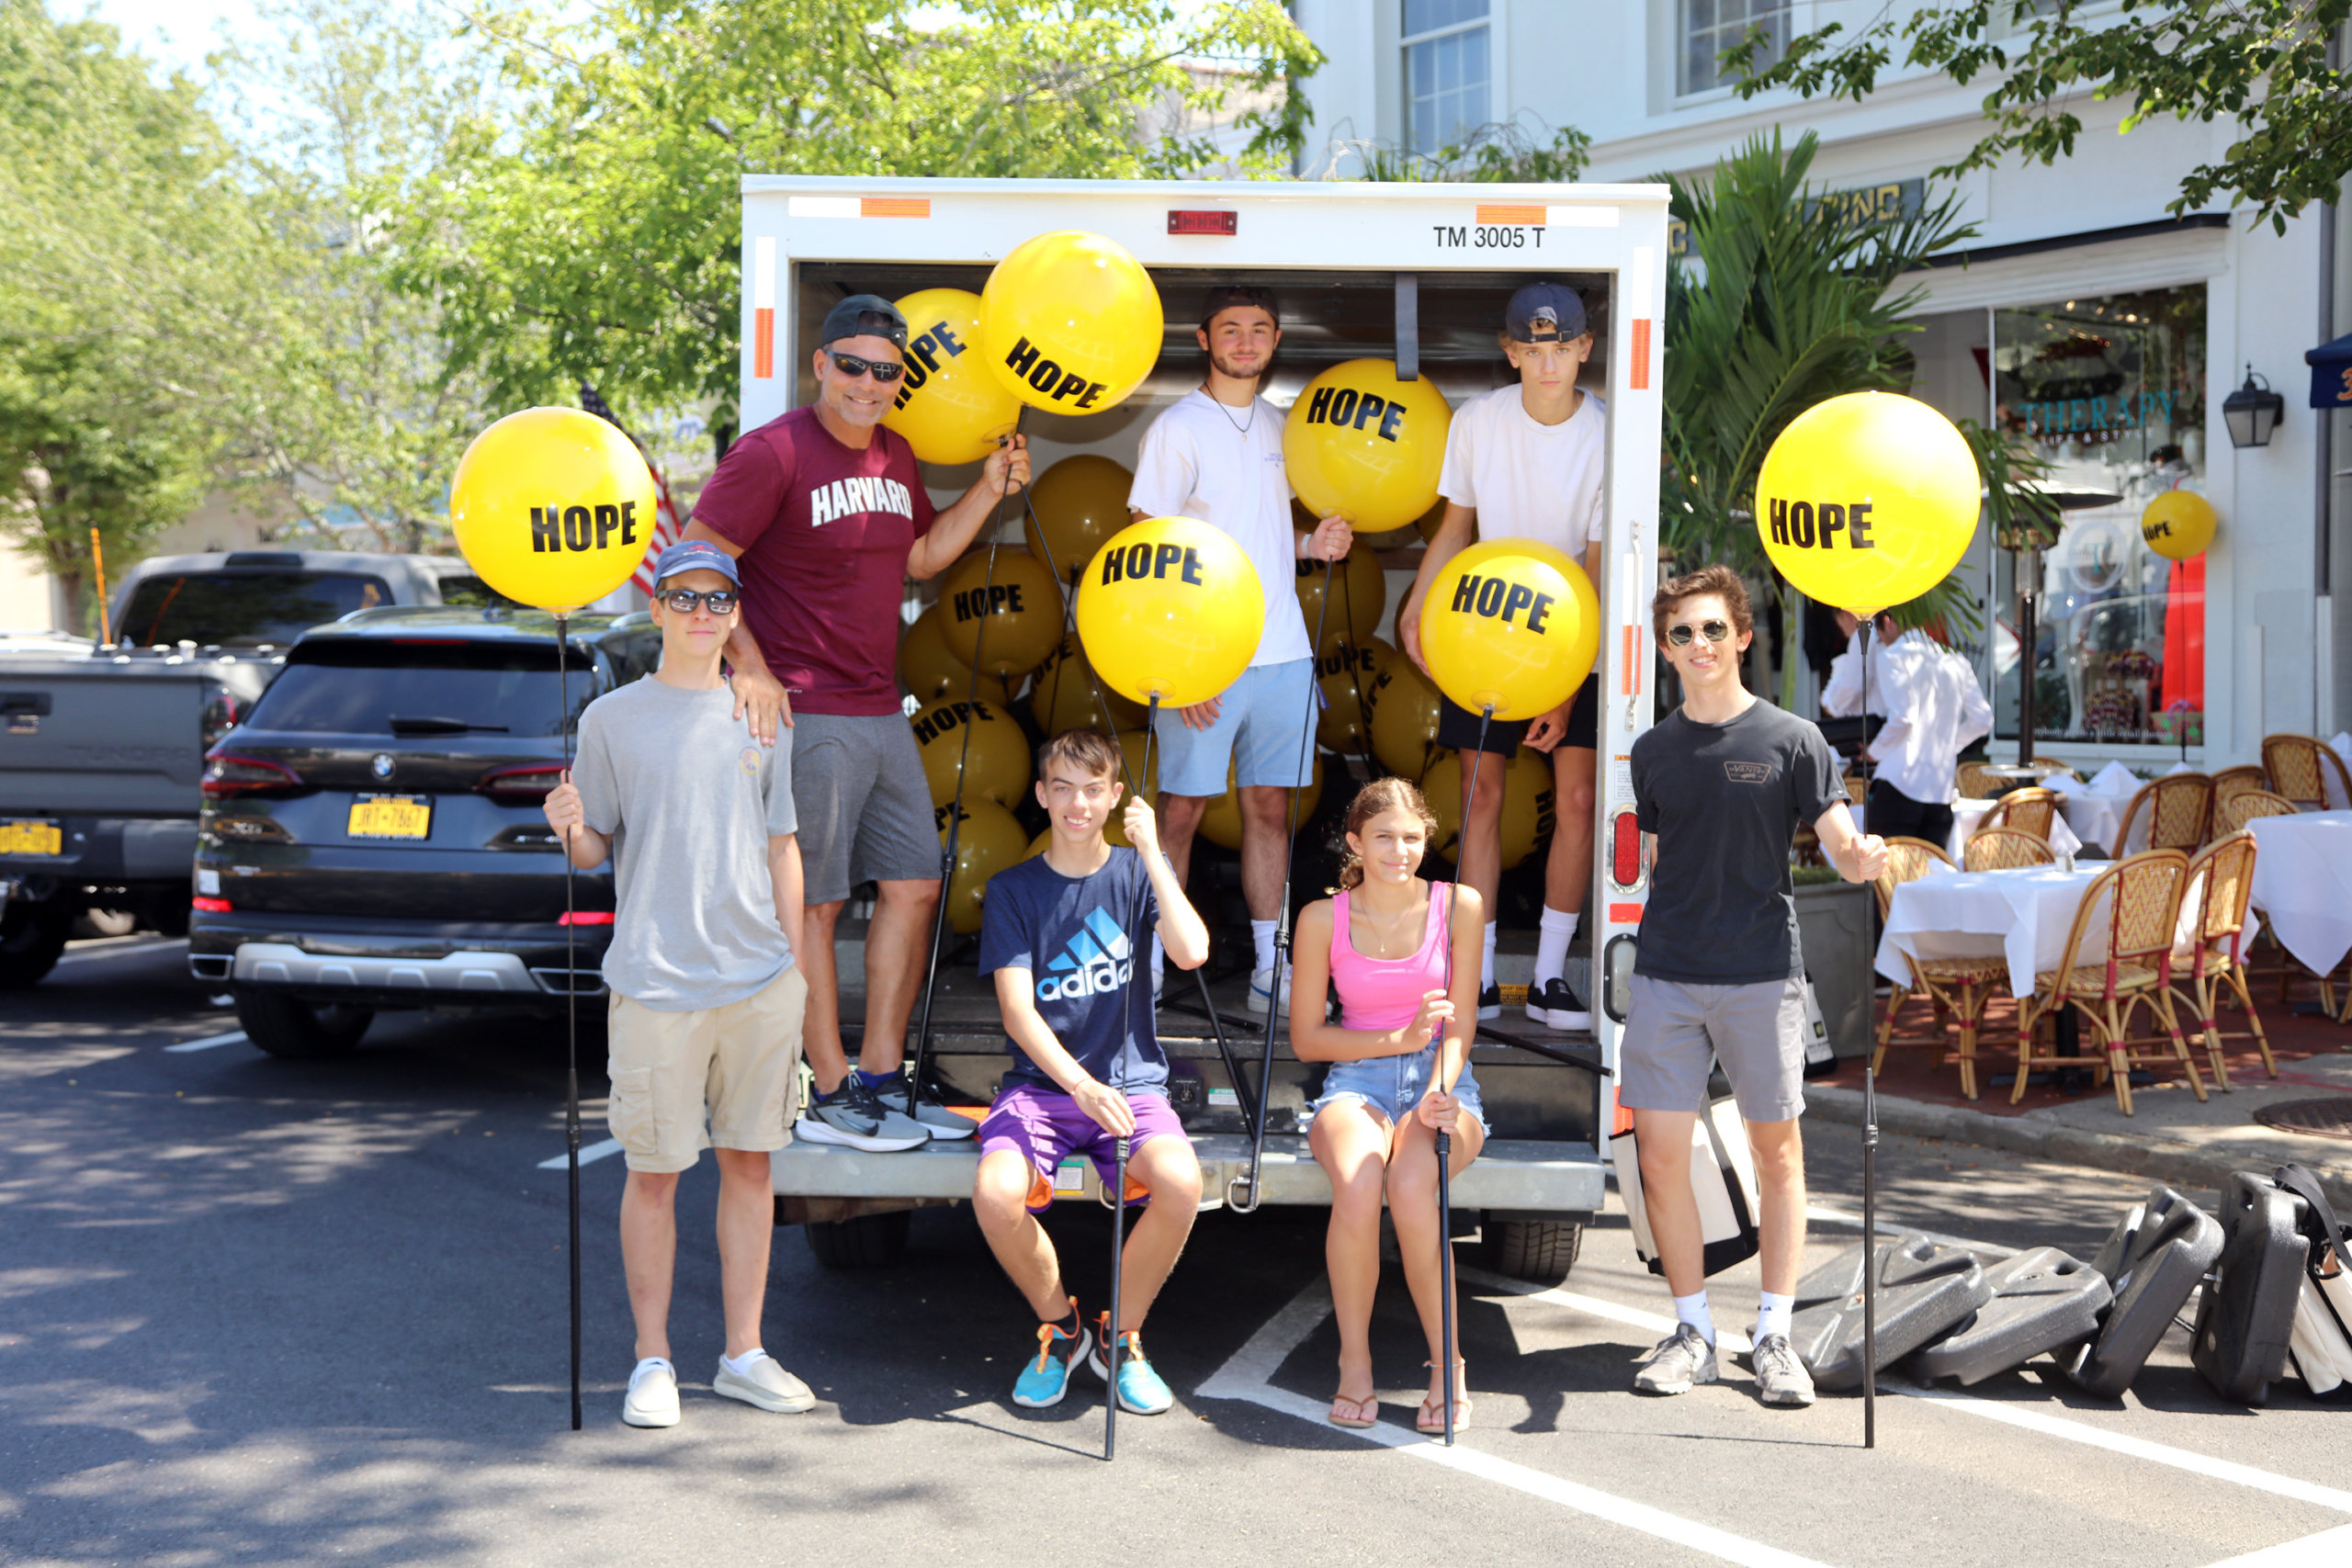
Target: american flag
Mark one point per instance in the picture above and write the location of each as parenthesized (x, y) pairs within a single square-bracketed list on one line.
[(666, 525)]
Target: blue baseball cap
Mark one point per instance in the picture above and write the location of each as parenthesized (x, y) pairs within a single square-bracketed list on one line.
[(695, 555), (1545, 313)]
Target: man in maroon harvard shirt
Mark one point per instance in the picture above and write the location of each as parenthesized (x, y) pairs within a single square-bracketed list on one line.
[(826, 517)]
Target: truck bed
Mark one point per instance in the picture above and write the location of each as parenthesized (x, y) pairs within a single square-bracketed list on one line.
[(108, 738)]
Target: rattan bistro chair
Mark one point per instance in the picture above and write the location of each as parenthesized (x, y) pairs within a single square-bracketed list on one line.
[(2007, 848), (2179, 807), (2118, 958), (2033, 809), (2232, 814), (2236, 781), (2306, 771), (1959, 986), (2220, 881), (2054, 765), (1975, 784)]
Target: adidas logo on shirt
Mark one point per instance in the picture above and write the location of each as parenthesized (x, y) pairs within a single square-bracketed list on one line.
[(847, 497), (1098, 959)]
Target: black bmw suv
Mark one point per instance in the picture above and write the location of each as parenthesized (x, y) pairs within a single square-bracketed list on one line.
[(372, 836)]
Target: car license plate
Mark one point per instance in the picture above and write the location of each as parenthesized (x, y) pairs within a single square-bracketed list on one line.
[(26, 837), (390, 816)]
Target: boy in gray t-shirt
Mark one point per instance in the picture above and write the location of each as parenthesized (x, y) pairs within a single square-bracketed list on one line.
[(706, 1001)]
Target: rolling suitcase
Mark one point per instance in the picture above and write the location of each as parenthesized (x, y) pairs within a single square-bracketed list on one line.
[(2152, 1260), (1722, 1178), (1923, 1289), (2043, 1300), (2247, 1315)]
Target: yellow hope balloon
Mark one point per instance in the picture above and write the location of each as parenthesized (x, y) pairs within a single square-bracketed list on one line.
[(2179, 524), (1366, 446), (1868, 500), (988, 840), (1070, 322), (950, 408), (1511, 624), (1170, 608), (553, 507)]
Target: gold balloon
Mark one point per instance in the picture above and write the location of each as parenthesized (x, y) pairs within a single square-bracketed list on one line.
[(929, 671), (1221, 822), (1346, 673), (1074, 508), (998, 765), (1065, 693), (1404, 719), (1527, 815), (2178, 524), (1359, 594), (1016, 599), (989, 840)]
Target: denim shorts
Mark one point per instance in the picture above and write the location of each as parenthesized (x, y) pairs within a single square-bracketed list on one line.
[(1394, 1085), (1261, 722)]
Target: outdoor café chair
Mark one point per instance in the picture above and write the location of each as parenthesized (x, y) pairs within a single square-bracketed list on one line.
[(2220, 881), (2033, 809), (1975, 784), (2232, 814), (2237, 781), (2118, 959), (2306, 771), (2007, 848), (2179, 807), (1959, 986)]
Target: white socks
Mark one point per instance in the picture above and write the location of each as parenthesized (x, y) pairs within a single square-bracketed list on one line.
[(741, 1365), (1772, 1313), (1261, 933), (1486, 959), (1692, 1310), (1558, 930)]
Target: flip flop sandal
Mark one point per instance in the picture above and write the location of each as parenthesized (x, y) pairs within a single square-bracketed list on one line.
[(1366, 1412), (1431, 1420)]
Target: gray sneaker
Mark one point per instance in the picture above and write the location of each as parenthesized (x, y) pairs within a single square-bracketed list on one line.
[(853, 1117), (1780, 1378), (930, 1112), (1676, 1364)]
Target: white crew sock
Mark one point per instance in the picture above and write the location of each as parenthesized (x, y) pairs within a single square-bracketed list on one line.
[(1487, 959), (1692, 1310), (741, 1365), (1558, 929), (1772, 1313), (1262, 933)]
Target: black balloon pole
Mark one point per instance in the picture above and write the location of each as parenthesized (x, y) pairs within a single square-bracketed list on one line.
[(571, 1008)]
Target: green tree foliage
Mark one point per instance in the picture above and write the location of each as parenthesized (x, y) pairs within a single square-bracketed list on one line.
[(597, 239), (1502, 152), (2262, 64)]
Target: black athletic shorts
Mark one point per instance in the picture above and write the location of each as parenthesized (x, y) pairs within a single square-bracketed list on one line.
[(1457, 727)]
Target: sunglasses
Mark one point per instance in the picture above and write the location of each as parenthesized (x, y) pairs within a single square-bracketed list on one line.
[(1714, 631), (882, 370), (685, 601)]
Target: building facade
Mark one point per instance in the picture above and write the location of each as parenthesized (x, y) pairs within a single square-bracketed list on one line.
[(2082, 314)]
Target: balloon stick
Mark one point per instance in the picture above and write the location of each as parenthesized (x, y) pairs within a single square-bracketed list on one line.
[(1137, 975), (571, 1010), (1869, 1130), (1444, 1142)]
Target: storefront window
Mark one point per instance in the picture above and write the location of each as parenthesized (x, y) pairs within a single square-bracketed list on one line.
[(2111, 390)]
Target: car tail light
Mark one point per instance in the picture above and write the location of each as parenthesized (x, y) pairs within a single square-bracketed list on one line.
[(586, 918), (521, 784), (228, 773), (210, 906)]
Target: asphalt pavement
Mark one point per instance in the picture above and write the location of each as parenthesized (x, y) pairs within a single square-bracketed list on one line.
[(260, 1312)]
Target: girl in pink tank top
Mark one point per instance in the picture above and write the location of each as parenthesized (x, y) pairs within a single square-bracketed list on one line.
[(1403, 954)]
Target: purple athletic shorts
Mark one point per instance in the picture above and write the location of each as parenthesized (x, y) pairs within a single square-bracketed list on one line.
[(1046, 1127)]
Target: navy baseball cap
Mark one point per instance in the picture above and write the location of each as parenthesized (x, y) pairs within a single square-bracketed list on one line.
[(1545, 313), (864, 315), (695, 554)]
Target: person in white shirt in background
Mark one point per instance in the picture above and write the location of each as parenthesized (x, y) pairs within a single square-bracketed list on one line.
[(1215, 454), (1526, 461), (1934, 710)]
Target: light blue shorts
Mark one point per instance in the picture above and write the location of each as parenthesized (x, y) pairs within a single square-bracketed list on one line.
[(1261, 720), (1393, 1086)]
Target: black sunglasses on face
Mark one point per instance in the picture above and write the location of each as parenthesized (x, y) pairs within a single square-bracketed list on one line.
[(1714, 631), (685, 601), (851, 366)]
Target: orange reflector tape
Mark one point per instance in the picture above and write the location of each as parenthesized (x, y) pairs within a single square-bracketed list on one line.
[(764, 345), (1496, 214), (1638, 375), (894, 206), (1624, 914), (1629, 663)]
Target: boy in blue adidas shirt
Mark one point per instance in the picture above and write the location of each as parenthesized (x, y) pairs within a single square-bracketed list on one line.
[(1058, 931)]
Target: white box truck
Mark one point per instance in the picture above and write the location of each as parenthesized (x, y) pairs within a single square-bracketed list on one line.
[(1416, 273)]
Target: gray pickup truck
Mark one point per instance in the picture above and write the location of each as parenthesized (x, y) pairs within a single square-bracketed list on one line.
[(102, 747)]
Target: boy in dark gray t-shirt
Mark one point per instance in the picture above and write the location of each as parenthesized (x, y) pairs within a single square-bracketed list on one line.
[(1720, 786), (706, 1000)]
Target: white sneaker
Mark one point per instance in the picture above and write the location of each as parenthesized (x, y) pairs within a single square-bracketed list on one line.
[(652, 1397), (1262, 988), (767, 1385)]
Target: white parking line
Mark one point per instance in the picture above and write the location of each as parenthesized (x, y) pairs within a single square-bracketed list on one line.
[(210, 1042), (2329, 1549), (588, 1153)]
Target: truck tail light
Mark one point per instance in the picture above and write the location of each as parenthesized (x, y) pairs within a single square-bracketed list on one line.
[(520, 783), (586, 918), (1625, 849), (227, 773), (210, 906)]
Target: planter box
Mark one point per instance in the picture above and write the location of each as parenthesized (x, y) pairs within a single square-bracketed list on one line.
[(1834, 927)]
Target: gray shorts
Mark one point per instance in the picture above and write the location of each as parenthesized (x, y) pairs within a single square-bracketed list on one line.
[(864, 809), (1674, 1029)]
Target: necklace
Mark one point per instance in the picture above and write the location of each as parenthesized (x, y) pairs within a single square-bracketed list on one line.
[(1245, 426), (1380, 934)]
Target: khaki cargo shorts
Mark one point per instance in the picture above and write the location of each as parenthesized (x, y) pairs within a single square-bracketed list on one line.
[(728, 1077)]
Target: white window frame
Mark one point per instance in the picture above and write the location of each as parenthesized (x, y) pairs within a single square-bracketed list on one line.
[(1407, 43), (1797, 15)]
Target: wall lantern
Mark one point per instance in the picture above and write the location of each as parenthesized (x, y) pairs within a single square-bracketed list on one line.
[(2252, 412)]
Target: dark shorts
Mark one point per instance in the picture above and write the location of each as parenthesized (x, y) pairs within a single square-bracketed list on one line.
[(1895, 815), (1047, 1127), (1457, 727)]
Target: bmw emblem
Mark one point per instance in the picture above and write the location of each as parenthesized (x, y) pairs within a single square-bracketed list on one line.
[(382, 766)]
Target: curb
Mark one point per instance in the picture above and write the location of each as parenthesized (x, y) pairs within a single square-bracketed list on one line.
[(2162, 1159)]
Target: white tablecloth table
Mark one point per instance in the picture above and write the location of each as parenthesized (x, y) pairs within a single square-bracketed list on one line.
[(2022, 916), (2302, 883), (2095, 818), (1966, 815)]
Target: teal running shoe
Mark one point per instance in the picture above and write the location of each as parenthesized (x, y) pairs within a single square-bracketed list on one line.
[(1046, 1379), (1141, 1392)]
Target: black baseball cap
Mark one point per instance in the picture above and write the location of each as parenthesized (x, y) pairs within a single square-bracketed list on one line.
[(864, 315), (1545, 313), (1226, 296)]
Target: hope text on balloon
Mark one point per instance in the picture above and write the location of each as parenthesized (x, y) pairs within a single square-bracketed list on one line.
[(555, 529), (1801, 524)]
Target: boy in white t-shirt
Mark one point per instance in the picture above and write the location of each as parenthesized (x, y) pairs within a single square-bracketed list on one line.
[(1215, 454), (1527, 462)]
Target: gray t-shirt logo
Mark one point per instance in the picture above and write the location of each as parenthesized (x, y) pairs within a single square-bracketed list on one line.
[(1750, 772)]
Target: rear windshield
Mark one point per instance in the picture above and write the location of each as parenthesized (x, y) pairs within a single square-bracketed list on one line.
[(438, 689), (242, 609)]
